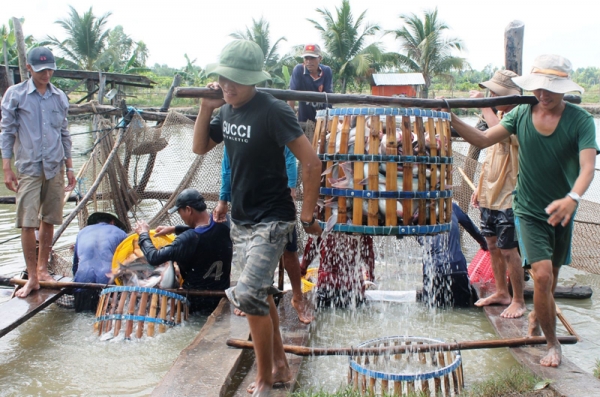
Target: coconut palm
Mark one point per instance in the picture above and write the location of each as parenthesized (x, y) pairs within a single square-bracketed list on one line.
[(7, 35), (426, 49), (260, 34), (345, 43), (86, 39)]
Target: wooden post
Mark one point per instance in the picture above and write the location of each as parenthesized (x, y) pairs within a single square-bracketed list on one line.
[(167, 103), (407, 170), (373, 170), (9, 77), (359, 170), (20, 39), (391, 171), (513, 46), (141, 312), (342, 209), (101, 87), (152, 314)]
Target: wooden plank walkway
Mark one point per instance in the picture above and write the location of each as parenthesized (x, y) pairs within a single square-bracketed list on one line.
[(568, 378), (18, 310), (207, 365), (293, 332)]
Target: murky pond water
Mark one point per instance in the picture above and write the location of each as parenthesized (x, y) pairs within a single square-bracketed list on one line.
[(56, 353)]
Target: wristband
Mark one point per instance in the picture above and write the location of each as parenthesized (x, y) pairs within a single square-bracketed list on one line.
[(308, 224), (574, 196), (71, 169)]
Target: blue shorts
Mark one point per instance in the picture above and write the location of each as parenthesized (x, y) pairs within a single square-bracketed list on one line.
[(257, 252)]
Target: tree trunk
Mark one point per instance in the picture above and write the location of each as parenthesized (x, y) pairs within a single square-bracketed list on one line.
[(513, 47), (20, 39)]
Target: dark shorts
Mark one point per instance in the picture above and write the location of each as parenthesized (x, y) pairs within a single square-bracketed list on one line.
[(292, 246), (500, 224), (540, 241)]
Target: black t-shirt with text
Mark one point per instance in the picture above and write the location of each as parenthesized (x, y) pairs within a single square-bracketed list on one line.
[(255, 135)]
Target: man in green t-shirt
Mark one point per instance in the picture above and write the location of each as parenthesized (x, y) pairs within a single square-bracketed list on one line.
[(557, 155)]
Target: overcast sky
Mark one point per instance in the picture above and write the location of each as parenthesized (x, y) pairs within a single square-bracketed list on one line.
[(200, 28)]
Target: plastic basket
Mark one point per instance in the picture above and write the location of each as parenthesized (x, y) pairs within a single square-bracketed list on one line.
[(311, 274), (480, 269)]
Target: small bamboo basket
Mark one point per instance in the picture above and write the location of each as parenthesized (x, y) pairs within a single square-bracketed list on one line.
[(440, 373), (136, 306), (382, 199)]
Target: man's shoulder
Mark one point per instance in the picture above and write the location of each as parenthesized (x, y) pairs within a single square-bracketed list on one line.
[(577, 111), (17, 89)]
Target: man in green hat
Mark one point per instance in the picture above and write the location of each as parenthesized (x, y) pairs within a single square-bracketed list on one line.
[(557, 157), (255, 128)]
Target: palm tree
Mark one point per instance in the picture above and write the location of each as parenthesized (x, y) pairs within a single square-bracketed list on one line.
[(86, 39), (427, 51), (7, 35), (259, 33), (345, 43)]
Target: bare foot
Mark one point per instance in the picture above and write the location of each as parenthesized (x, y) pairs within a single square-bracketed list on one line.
[(534, 326), (44, 275), (552, 359), (262, 392), (240, 313), (514, 310), (281, 379), (303, 308), (24, 291), (495, 299)]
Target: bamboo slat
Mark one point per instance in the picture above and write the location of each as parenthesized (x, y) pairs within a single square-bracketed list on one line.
[(391, 171), (131, 312), (342, 215), (422, 184), (407, 171), (359, 170), (152, 313), (331, 150), (373, 170)]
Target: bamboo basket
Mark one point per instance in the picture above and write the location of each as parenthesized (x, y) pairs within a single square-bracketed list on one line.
[(440, 373), (366, 155), (129, 308)]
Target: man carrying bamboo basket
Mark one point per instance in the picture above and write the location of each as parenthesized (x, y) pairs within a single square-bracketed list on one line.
[(34, 132), (255, 127), (557, 155), (493, 197)]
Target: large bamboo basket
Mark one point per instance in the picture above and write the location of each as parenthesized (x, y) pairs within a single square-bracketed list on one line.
[(439, 373), (136, 306), (385, 204)]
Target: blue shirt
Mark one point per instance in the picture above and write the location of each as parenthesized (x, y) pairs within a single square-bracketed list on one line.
[(439, 254), (301, 80), (34, 129), (291, 167), (94, 250)]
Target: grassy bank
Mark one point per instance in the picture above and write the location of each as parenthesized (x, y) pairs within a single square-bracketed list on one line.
[(516, 381)]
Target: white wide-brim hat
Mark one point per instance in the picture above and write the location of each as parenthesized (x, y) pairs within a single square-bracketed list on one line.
[(551, 73)]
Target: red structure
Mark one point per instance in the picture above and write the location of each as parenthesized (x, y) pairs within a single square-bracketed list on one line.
[(397, 84)]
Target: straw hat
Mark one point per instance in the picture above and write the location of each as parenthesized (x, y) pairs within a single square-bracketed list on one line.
[(501, 83), (96, 217), (551, 73), (241, 61)]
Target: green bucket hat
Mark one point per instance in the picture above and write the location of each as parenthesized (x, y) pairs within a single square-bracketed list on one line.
[(241, 61)]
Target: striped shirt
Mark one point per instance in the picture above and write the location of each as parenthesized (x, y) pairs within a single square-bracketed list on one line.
[(34, 129)]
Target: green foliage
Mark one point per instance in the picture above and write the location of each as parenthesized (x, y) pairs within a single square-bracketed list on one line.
[(86, 40), (192, 74), (597, 369), (426, 48), (346, 51), (514, 381), (260, 34), (7, 34)]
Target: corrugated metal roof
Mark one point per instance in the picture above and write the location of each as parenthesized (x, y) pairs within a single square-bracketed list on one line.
[(398, 79)]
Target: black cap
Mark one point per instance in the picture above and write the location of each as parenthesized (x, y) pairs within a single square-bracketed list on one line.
[(41, 58), (189, 198), (98, 217)]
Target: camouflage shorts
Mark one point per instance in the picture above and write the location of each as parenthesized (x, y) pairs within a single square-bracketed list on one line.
[(258, 249)]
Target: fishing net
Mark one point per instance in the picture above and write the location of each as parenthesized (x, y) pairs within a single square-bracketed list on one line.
[(154, 163)]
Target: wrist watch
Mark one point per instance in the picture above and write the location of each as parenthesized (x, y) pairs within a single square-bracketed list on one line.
[(574, 196), (308, 224)]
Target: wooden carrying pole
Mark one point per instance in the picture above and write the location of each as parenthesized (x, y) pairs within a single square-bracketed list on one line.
[(62, 284), (195, 92), (466, 178), (416, 348), (560, 316)]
